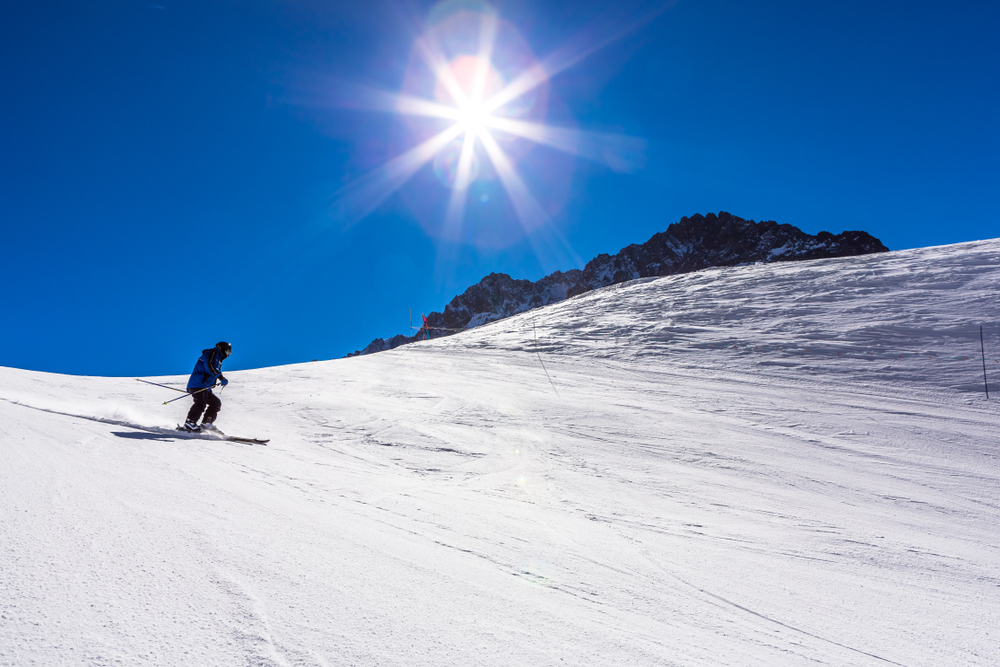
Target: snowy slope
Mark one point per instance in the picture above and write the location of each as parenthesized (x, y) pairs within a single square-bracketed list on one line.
[(694, 477)]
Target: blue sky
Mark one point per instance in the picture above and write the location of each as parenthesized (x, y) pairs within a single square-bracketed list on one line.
[(171, 173)]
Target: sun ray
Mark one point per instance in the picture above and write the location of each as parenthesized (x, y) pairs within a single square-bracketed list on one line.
[(530, 79), (529, 211), (464, 171), (456, 203), (359, 198), (487, 36), (431, 53), (618, 149), (366, 98), (550, 246), (585, 44), (415, 106)]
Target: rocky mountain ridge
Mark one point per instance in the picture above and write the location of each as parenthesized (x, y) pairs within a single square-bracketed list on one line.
[(692, 244)]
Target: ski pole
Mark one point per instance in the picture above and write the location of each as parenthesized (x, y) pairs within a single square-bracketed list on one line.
[(191, 394), (160, 385)]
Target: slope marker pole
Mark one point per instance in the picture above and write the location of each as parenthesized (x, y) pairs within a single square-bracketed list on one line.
[(982, 346)]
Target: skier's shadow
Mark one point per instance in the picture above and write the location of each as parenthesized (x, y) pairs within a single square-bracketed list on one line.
[(132, 435)]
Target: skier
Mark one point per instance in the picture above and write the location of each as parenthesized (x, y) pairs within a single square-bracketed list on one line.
[(203, 378)]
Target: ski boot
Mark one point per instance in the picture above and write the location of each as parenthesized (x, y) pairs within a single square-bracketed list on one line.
[(209, 427), (192, 427)]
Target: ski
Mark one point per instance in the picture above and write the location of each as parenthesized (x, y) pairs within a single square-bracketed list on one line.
[(249, 441), (219, 435)]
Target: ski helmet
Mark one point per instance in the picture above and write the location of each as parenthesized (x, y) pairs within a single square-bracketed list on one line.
[(224, 347)]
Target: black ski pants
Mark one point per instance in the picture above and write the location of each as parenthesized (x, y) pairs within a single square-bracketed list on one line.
[(202, 400)]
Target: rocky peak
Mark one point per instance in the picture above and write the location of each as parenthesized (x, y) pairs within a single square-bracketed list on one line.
[(699, 242), (692, 244)]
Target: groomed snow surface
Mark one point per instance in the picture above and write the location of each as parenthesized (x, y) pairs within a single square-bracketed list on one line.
[(694, 477)]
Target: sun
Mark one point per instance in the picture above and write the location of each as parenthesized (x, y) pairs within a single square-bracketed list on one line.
[(474, 78), (473, 117), (466, 83)]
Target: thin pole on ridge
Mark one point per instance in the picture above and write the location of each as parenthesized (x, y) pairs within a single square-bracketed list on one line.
[(982, 346), (535, 331)]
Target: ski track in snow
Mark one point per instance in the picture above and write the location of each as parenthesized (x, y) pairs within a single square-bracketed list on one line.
[(653, 496)]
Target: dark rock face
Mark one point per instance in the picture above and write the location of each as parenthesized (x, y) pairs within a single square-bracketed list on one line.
[(699, 242), (694, 243), (495, 297), (498, 296)]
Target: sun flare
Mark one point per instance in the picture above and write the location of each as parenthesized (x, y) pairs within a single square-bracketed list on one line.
[(475, 73)]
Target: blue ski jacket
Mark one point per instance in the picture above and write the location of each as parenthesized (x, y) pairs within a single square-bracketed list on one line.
[(207, 370)]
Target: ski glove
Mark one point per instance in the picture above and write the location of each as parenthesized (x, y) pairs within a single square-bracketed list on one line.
[(223, 381)]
